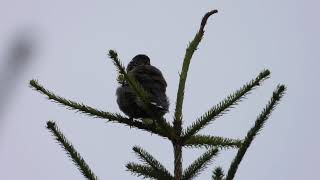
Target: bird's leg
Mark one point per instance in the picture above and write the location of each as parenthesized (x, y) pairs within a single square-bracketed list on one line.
[(131, 119)]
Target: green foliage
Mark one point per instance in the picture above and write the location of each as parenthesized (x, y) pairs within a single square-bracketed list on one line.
[(145, 171), (261, 119), (184, 72), (212, 141), (199, 164), (180, 137), (152, 162), (218, 174), (80, 107), (225, 105), (73, 154)]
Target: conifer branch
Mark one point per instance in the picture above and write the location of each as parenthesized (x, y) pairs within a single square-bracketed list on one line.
[(212, 141), (185, 67), (142, 94), (179, 137), (218, 174), (72, 153), (152, 162), (259, 123), (80, 107), (138, 89), (225, 105), (199, 164), (146, 171)]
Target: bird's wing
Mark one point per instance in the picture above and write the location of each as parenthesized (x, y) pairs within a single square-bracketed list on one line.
[(148, 74)]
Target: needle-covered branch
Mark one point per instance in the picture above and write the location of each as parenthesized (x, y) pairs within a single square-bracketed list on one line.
[(142, 94), (259, 123), (199, 164), (179, 137), (72, 153), (138, 89), (152, 162), (207, 141), (217, 174), (112, 117), (145, 171), (184, 71), (225, 105)]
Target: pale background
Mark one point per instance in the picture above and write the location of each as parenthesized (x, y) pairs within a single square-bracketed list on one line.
[(69, 41)]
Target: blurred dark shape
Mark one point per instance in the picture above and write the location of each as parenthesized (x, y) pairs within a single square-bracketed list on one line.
[(14, 62)]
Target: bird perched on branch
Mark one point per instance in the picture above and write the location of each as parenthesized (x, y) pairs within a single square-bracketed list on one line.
[(152, 81)]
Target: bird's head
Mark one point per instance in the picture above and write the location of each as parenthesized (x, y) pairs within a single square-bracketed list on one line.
[(138, 60)]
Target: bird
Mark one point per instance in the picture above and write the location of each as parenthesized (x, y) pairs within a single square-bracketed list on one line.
[(152, 81)]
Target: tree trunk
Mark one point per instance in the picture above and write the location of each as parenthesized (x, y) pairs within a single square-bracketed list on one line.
[(177, 161)]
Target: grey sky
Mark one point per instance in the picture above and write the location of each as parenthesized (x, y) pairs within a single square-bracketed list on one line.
[(72, 38)]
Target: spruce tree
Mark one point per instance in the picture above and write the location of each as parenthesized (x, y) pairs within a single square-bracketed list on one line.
[(180, 137)]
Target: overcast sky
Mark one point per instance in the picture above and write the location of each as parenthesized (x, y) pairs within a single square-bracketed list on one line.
[(69, 41)]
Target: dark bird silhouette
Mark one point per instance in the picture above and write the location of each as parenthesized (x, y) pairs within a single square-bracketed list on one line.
[(152, 81)]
